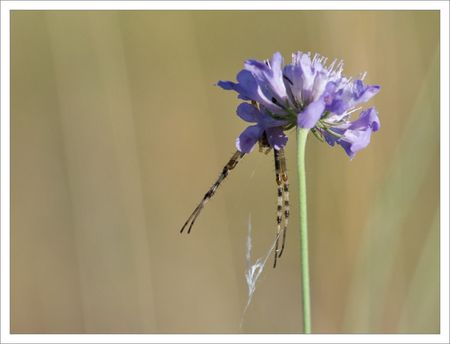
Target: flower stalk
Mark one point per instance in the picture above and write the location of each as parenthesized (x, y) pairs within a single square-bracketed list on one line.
[(302, 135)]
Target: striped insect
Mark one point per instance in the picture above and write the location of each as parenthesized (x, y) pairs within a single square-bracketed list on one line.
[(282, 183)]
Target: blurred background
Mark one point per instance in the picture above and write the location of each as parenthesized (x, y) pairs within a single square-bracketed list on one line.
[(117, 131)]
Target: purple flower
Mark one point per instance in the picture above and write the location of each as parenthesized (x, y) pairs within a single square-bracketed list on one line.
[(305, 93)]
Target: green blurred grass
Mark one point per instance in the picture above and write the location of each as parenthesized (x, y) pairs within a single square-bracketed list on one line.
[(383, 233)]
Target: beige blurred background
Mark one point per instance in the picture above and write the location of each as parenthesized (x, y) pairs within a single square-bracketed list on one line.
[(118, 130)]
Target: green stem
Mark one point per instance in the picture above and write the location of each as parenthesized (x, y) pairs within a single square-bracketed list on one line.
[(302, 135)]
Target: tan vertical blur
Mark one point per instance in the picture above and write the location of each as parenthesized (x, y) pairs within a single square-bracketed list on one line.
[(118, 130)]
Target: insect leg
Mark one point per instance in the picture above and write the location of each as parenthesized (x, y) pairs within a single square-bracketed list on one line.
[(285, 180), (228, 167), (279, 202)]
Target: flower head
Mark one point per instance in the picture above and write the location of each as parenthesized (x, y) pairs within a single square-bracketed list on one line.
[(305, 93)]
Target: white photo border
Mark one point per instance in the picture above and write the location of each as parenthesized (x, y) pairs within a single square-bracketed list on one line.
[(8, 6)]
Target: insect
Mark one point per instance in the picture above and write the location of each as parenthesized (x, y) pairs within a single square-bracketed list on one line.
[(282, 183)]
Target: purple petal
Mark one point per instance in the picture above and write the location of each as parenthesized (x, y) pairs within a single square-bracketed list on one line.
[(309, 117), (364, 92), (257, 68), (347, 147), (229, 85), (367, 119), (355, 140), (276, 137), (268, 122), (276, 61), (276, 64), (248, 138), (359, 132), (248, 87), (226, 85), (269, 77), (330, 138), (308, 76), (328, 92), (293, 82), (305, 63), (298, 75), (337, 105), (321, 83), (248, 112), (350, 95)]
